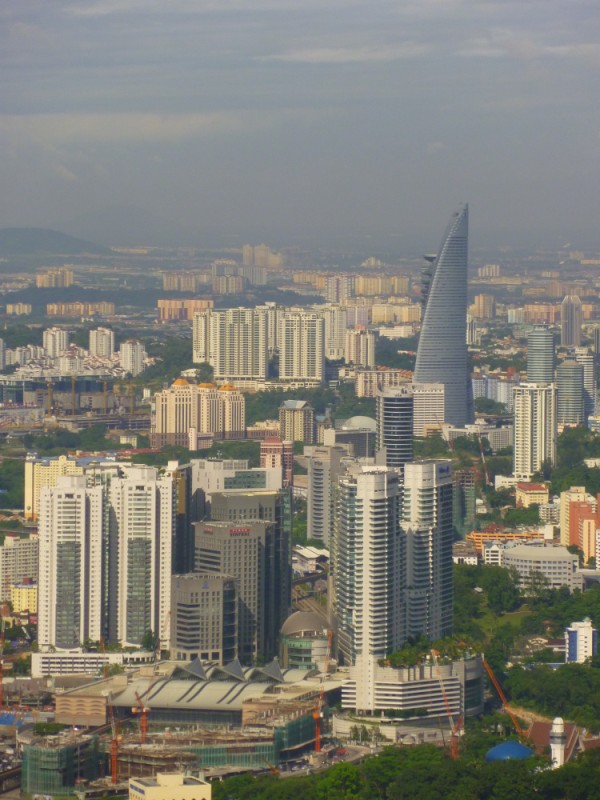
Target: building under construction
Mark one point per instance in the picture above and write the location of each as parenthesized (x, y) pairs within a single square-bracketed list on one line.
[(58, 765)]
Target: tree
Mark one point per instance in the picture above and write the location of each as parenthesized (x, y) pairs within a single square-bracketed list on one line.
[(149, 641)]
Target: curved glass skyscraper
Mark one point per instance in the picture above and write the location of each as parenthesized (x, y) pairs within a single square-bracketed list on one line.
[(442, 351)]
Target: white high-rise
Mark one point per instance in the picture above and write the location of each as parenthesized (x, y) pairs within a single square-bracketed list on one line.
[(585, 357), (131, 357), (55, 341), (102, 342), (336, 324), (302, 346), (428, 409), (360, 347), (141, 538), (535, 428), (234, 342), (71, 564)]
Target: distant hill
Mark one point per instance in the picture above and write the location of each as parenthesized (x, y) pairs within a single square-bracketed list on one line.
[(31, 241)]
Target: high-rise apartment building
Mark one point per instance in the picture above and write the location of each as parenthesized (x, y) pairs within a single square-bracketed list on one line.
[(71, 564), (234, 342), (585, 357), (324, 468), (571, 317), (581, 642), (102, 342), (395, 425), (132, 356), (575, 494), (428, 407), (204, 617), (540, 355), (360, 347), (484, 306), (336, 324), (302, 346), (141, 532), (278, 454), (569, 393), (339, 288), (297, 421), (55, 341), (427, 526), (442, 350), (535, 428), (19, 559)]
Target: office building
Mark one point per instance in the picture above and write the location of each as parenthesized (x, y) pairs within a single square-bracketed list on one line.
[(212, 475), (357, 433), (596, 340), (234, 342), (102, 342), (325, 466), (571, 317), (395, 425), (132, 356), (535, 428), (297, 421), (540, 355), (19, 560), (204, 613), (569, 393), (55, 341), (585, 357), (72, 564), (302, 346), (360, 348), (442, 350), (141, 533), (428, 407), (427, 526), (278, 454), (581, 642), (368, 555), (174, 785), (249, 538), (556, 564)]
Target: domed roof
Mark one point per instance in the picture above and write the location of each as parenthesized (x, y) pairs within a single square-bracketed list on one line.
[(303, 622), (181, 382), (507, 751), (361, 422)]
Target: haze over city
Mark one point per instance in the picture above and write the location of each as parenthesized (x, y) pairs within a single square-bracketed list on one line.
[(301, 122)]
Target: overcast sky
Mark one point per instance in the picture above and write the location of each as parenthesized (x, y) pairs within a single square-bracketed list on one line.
[(302, 121)]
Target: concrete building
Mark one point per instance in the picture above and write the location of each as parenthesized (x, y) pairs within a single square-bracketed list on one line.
[(429, 405), (540, 355), (358, 433), (174, 785), (55, 341), (19, 559), (339, 288), (132, 356), (141, 532), (585, 357), (530, 494), (212, 475), (297, 421), (569, 393), (581, 642), (278, 454), (178, 310), (72, 564), (302, 336), (234, 342), (556, 564), (360, 348), (102, 342), (204, 617), (571, 317), (535, 428), (304, 639), (336, 325), (368, 381), (575, 494), (395, 425), (24, 597), (325, 466)]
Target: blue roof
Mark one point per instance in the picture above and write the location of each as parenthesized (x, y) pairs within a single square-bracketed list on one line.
[(508, 750)]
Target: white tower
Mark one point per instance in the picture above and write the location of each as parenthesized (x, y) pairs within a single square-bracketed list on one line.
[(558, 740)]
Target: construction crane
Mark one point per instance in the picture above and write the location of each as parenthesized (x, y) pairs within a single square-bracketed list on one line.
[(141, 709), (114, 744), (502, 697), (318, 710), (455, 727)]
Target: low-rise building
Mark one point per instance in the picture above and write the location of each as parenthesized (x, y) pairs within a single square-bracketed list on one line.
[(530, 494), (172, 785), (556, 564)]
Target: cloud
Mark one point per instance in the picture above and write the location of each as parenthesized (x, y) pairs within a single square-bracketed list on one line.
[(347, 55), (506, 43), (132, 127)]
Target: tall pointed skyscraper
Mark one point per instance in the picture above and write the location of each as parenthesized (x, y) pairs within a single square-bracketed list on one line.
[(442, 351)]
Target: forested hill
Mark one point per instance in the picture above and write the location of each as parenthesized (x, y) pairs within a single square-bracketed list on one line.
[(31, 241)]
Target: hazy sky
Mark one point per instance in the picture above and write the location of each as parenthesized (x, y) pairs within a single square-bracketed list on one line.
[(302, 120)]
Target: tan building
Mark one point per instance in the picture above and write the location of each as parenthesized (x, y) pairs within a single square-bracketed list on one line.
[(368, 381), (19, 559), (79, 309), (169, 786), (54, 278), (186, 410), (180, 281), (18, 309), (177, 310), (531, 494), (576, 494), (360, 347), (24, 597), (484, 306), (44, 472), (297, 421)]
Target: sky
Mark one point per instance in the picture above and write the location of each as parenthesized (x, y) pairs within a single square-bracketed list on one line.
[(302, 122)]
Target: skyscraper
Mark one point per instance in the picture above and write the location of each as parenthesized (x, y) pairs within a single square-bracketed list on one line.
[(442, 350), (571, 317), (540, 355), (395, 425), (535, 428), (324, 469), (102, 342), (569, 393), (302, 346), (585, 357), (234, 342), (131, 356)]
